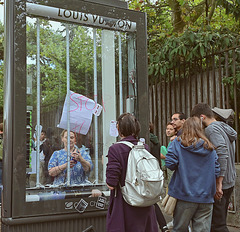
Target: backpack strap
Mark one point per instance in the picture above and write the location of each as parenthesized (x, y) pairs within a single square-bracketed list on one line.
[(131, 145)]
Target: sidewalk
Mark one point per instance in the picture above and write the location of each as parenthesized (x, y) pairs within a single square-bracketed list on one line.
[(230, 228), (233, 229)]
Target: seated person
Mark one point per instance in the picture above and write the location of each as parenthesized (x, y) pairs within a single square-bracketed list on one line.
[(80, 163)]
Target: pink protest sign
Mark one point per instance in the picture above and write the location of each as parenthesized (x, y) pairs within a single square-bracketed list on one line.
[(81, 111)]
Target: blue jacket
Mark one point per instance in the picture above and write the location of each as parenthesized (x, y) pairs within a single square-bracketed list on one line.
[(196, 169)]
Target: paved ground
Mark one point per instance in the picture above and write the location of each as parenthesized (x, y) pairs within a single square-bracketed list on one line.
[(231, 228), (169, 218)]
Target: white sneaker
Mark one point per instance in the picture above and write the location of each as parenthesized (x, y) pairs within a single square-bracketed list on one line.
[(189, 229), (170, 225), (165, 229)]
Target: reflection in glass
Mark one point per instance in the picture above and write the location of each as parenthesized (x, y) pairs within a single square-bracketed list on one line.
[(98, 68), (80, 163)]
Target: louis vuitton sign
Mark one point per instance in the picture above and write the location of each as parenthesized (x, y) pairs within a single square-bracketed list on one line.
[(80, 18)]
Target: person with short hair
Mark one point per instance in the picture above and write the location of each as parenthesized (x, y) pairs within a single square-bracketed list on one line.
[(178, 119), (194, 161), (223, 137), (121, 216)]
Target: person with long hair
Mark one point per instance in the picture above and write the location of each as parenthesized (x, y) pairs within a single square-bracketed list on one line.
[(121, 216), (194, 161)]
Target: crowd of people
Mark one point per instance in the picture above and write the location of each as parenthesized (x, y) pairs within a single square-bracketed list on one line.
[(199, 167)]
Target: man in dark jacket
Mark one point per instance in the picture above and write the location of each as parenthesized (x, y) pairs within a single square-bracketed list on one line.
[(223, 137)]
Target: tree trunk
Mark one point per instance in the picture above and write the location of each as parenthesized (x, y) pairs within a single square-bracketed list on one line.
[(178, 23)]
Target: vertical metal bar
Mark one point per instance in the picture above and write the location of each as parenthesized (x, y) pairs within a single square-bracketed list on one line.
[(235, 101), (153, 105), (180, 89), (170, 93), (161, 111), (174, 89), (151, 102), (185, 87), (131, 68), (214, 80), (220, 74), (196, 84), (167, 82), (68, 104), (38, 132), (9, 110), (207, 80), (226, 75), (190, 86), (95, 99), (201, 83), (120, 74), (156, 105)]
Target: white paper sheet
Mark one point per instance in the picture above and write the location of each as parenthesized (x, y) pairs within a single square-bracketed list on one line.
[(81, 111), (113, 129)]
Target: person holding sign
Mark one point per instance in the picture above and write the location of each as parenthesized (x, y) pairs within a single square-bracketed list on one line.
[(80, 163)]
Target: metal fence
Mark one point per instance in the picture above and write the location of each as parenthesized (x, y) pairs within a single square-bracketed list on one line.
[(212, 80)]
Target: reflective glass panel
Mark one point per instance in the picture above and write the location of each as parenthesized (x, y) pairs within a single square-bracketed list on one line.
[(79, 80)]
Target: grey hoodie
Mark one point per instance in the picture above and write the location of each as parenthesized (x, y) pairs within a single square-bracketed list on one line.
[(223, 137)]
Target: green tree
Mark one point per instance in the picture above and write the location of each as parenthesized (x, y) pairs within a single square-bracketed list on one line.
[(183, 30), (53, 60)]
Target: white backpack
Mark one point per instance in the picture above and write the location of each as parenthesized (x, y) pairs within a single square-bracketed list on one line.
[(144, 178)]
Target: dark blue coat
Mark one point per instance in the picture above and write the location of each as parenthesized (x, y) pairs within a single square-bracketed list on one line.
[(196, 169), (121, 216)]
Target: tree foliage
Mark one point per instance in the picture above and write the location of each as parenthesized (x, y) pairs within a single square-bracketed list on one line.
[(53, 60), (186, 30)]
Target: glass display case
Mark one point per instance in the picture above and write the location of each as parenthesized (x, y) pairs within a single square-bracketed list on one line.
[(72, 67)]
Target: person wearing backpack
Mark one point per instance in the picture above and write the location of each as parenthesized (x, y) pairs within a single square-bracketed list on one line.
[(121, 216), (194, 161)]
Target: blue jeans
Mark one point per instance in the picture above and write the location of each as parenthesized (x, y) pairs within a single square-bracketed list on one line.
[(199, 213)]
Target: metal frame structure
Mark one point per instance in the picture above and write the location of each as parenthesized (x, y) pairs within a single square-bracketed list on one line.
[(16, 212)]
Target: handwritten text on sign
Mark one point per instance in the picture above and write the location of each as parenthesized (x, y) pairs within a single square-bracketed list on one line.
[(81, 111)]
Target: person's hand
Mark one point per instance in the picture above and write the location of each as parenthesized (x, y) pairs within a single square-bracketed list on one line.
[(96, 193), (72, 163), (219, 192), (76, 155), (110, 187)]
